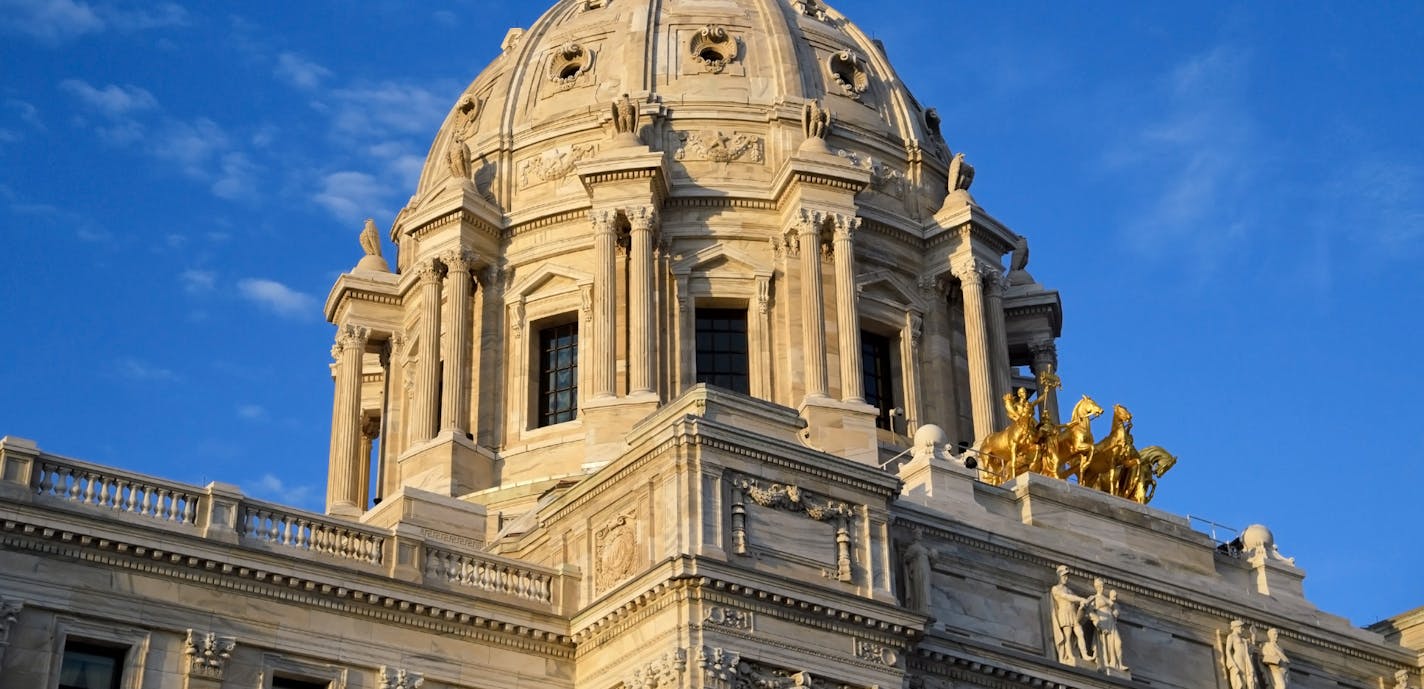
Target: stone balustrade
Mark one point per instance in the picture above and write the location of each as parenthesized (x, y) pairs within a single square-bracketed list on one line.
[(132, 494), (489, 573), (275, 525)]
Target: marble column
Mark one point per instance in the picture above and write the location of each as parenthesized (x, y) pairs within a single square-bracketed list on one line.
[(427, 374), (759, 341), (1045, 360), (998, 341), (342, 492), (972, 274), (813, 308), (641, 326), (605, 308), (847, 311), (370, 431), (455, 403), (910, 373)]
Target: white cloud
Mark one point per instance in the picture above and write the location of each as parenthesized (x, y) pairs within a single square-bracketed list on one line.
[(299, 71), (196, 281), (191, 145), (134, 369), (351, 196), (277, 297), (1392, 197), (27, 113), (237, 177), (251, 412), (269, 487), (112, 101), (377, 111), (58, 21)]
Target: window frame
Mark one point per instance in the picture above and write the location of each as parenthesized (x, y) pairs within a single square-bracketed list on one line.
[(890, 381), (541, 392), (702, 311), (134, 642), (285, 667)]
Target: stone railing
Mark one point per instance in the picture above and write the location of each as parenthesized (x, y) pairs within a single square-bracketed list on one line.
[(484, 572), (141, 496), (274, 525), (220, 512)]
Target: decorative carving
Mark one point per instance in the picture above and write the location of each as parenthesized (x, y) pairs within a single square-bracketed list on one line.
[(1258, 543), (208, 654), (719, 147), (459, 260), (516, 317), (370, 239), (400, 679), (850, 72), (919, 572), (554, 165), (1076, 618), (883, 178), (370, 428), (615, 552), (1102, 611), (1238, 657), (816, 121), (9, 614), (458, 158), (785, 496), (810, 8), (932, 123), (663, 671), (350, 337), (917, 327), (1274, 659), (1401, 679), (714, 48), (763, 295), (734, 618), (469, 108), (717, 664), (625, 119), (876, 653), (1069, 640), (594, 4), (569, 64), (961, 173)]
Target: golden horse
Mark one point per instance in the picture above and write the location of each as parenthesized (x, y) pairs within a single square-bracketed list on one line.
[(1071, 448), (1008, 453), (1114, 457), (1141, 483)]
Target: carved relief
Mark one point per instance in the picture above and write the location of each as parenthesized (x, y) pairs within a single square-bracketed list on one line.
[(732, 618), (790, 498), (714, 48), (883, 178), (9, 614), (876, 653), (719, 147), (554, 165), (850, 72), (1249, 665), (615, 552), (718, 665), (810, 8), (932, 123), (663, 671), (208, 654), (400, 679), (569, 66)]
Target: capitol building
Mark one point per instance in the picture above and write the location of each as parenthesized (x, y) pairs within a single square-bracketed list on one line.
[(696, 366)]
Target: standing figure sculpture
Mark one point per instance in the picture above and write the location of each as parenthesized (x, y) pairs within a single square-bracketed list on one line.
[(1068, 621), (1236, 656), (918, 570), (1007, 453), (1102, 613), (1275, 660)]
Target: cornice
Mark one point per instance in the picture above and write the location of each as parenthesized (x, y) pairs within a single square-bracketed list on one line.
[(345, 594)]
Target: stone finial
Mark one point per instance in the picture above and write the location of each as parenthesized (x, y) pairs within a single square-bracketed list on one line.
[(1257, 541), (816, 122), (208, 654), (625, 122), (371, 244), (1018, 263)]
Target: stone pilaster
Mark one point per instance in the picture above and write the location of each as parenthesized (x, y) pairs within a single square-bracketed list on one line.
[(813, 307), (343, 491), (427, 375), (641, 327), (455, 403), (998, 341), (971, 274), (370, 431), (1045, 360), (605, 310), (847, 313)]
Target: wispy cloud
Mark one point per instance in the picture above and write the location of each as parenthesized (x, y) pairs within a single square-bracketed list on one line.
[(112, 101), (1392, 194), (59, 21), (197, 281), (251, 412), (351, 196), (269, 487), (277, 297), (299, 71), (142, 371)]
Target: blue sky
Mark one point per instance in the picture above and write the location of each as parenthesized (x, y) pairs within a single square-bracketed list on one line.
[(1229, 196)]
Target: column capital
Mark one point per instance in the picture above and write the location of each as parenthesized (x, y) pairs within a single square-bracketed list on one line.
[(1045, 350), (428, 272), (932, 286), (460, 260), (350, 336), (371, 428), (604, 220), (973, 268), (844, 225), (641, 217), (809, 221)]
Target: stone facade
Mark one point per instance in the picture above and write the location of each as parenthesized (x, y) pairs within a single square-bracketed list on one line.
[(561, 502)]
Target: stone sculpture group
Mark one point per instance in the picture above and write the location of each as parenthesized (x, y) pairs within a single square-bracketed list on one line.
[(1083, 621)]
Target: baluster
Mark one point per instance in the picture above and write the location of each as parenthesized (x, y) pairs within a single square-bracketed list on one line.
[(190, 513), (129, 502), (146, 507), (73, 482)]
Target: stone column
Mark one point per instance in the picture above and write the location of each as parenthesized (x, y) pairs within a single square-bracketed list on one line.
[(847, 312), (1045, 359), (455, 405), (641, 326), (370, 431), (605, 310), (343, 472), (427, 374), (759, 340), (998, 341), (910, 374), (813, 306), (972, 274)]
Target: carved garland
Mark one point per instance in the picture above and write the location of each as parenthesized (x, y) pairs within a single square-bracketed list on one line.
[(568, 64), (714, 48), (616, 549), (663, 671), (790, 498), (726, 669)]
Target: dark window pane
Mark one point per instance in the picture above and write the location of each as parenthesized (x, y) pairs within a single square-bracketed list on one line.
[(558, 374), (91, 666), (722, 349), (876, 378)]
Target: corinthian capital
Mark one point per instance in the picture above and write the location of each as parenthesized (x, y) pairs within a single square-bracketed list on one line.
[(351, 337), (428, 272), (971, 268), (602, 220), (810, 221), (641, 217), (459, 260), (845, 225)]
